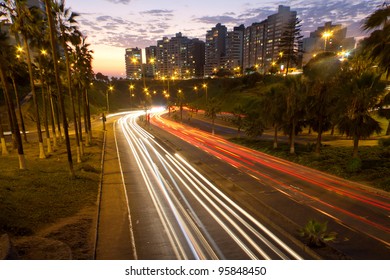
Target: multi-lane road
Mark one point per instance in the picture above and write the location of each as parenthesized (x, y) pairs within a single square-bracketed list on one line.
[(193, 195)]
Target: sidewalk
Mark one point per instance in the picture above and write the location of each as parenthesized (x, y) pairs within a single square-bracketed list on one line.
[(113, 234)]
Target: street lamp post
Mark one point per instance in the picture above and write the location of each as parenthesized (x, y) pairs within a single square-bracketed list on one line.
[(205, 87), (131, 88), (326, 35), (110, 88)]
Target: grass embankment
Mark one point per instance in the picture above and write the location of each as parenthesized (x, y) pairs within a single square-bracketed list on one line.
[(40, 196), (374, 169)]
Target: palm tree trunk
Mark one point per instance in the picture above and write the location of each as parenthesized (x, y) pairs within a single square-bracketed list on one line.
[(58, 82), (84, 105), (70, 91), (355, 147), (44, 103), (88, 117), (181, 112), (319, 137), (51, 113), (292, 144), (4, 150), (79, 104), (275, 136), (57, 114), (10, 119), (15, 126), (212, 130), (32, 85), (19, 108)]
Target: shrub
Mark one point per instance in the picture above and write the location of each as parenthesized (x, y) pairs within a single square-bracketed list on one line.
[(354, 165), (384, 142), (316, 233)]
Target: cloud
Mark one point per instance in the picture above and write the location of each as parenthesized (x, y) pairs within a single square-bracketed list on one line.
[(116, 20), (144, 28), (124, 2), (158, 13), (217, 19)]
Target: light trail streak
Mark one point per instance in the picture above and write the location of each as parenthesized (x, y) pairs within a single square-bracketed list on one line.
[(239, 157), (166, 176), (179, 251)]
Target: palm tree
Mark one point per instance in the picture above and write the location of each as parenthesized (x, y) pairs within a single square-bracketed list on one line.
[(295, 94), (68, 29), (84, 64), (363, 97), (82, 79), (42, 74), (26, 22), (321, 73), (384, 111), (273, 108), (238, 113), (53, 44), (212, 110), (4, 54), (17, 68), (362, 92), (378, 43)]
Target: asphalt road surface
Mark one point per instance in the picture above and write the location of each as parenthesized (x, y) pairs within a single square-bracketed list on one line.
[(177, 213), (193, 195)]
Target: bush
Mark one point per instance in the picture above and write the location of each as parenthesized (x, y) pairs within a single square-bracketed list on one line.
[(354, 165), (384, 142), (316, 233)]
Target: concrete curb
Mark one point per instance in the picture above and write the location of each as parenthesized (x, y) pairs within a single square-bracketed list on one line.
[(99, 198)]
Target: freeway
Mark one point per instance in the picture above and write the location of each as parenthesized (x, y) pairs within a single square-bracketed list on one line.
[(178, 213), (359, 215)]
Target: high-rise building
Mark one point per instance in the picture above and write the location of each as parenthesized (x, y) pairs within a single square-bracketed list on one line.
[(133, 61), (254, 45), (179, 57), (215, 49), (234, 49), (151, 61), (262, 41), (198, 57), (277, 24)]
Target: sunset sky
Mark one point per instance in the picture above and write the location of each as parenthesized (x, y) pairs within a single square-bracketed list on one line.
[(113, 25)]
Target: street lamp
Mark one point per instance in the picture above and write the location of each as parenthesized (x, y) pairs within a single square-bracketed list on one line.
[(326, 35), (110, 88), (131, 88), (205, 87)]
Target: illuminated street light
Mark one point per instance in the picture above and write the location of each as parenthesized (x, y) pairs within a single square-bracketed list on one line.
[(131, 88), (205, 87), (110, 88), (326, 35), (196, 90)]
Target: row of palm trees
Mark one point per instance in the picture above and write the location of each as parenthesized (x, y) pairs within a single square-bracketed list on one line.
[(57, 55), (330, 93)]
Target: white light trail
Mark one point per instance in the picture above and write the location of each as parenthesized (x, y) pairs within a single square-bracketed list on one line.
[(166, 176)]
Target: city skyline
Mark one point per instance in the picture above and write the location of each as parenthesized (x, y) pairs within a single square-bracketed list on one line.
[(114, 25)]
